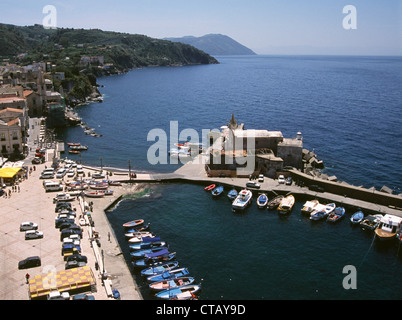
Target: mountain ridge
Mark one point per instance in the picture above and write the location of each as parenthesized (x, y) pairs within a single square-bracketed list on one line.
[(215, 44)]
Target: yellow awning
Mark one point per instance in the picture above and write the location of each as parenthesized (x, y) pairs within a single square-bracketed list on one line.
[(9, 172)]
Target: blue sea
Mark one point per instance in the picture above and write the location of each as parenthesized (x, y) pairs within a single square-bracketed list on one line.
[(348, 110)]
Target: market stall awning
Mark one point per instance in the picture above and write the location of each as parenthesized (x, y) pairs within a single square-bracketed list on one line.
[(9, 172), (65, 280)]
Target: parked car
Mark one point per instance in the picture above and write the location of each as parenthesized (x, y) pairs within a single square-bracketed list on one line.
[(68, 232), (281, 179), (70, 248), (66, 225), (288, 181), (61, 173), (261, 178), (317, 188), (33, 234), (74, 264), (63, 205), (57, 295), (77, 257), (29, 262), (98, 176), (36, 160), (252, 184), (83, 296), (25, 226), (61, 221)]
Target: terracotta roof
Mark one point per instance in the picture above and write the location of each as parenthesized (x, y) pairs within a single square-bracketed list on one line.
[(11, 109), (27, 92)]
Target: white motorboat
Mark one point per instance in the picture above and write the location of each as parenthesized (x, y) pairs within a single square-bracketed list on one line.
[(243, 200), (322, 210), (389, 226)]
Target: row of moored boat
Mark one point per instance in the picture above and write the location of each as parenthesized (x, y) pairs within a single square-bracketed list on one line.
[(385, 226), (158, 266)]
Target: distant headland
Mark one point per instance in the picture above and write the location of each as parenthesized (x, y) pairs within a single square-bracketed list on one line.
[(215, 45)]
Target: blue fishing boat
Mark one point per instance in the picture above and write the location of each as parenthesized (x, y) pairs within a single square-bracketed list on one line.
[(151, 259), (138, 254), (232, 194), (336, 215), (181, 293), (139, 228), (217, 191), (262, 201), (171, 284), (160, 268), (168, 275), (147, 243), (357, 217)]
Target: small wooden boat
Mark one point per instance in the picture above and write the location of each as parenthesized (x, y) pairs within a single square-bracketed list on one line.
[(134, 223), (114, 183), (160, 268), (171, 284), (357, 217), (210, 187), (172, 274), (94, 194), (138, 236), (140, 228), (79, 148), (389, 226), (147, 245), (274, 203), (139, 254), (98, 186), (181, 293), (232, 194), (106, 192), (309, 206), (322, 210), (243, 200), (73, 144), (336, 215), (152, 259), (371, 222), (262, 201), (217, 191), (286, 204), (74, 151)]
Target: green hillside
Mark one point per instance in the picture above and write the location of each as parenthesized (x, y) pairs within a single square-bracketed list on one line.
[(64, 48)]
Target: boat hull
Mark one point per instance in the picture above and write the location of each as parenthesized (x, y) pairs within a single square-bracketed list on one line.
[(182, 293)]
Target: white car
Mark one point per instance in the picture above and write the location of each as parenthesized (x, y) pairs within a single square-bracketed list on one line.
[(261, 178), (25, 226), (281, 179)]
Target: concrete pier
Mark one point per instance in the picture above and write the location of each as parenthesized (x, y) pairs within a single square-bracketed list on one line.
[(350, 196)]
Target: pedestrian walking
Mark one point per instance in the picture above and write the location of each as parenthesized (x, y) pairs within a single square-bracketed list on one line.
[(108, 236), (27, 277), (19, 189)]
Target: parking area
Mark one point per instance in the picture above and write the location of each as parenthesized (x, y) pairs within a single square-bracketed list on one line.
[(33, 204)]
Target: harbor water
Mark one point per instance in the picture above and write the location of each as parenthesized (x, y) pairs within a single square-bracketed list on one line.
[(347, 109)]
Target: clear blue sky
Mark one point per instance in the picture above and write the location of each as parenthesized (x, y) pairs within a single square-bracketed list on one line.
[(265, 26)]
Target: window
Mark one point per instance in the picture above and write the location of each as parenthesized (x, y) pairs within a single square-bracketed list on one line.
[(3, 137)]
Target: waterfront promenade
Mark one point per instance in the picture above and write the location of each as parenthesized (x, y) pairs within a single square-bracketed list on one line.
[(32, 203)]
